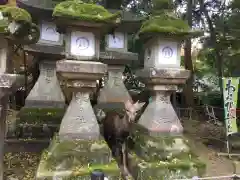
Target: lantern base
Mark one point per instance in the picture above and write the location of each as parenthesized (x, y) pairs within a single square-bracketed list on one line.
[(159, 118), (163, 157), (45, 103), (76, 159)]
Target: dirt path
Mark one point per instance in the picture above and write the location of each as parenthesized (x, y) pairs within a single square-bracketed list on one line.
[(216, 165)]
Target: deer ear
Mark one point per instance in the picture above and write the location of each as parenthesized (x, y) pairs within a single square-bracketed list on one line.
[(128, 104)]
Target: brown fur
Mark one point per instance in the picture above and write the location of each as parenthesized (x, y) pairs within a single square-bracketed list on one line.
[(116, 131)]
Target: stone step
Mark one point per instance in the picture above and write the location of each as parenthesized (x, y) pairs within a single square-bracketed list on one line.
[(39, 131), (40, 115), (159, 148), (76, 159), (25, 145), (173, 169)]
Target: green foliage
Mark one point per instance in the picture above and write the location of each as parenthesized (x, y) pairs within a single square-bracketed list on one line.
[(213, 98), (85, 11)]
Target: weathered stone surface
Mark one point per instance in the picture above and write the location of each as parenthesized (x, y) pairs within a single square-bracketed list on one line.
[(76, 159), (165, 76), (87, 69), (163, 157), (114, 92), (46, 92), (159, 117), (176, 169), (79, 121), (40, 116), (118, 58)]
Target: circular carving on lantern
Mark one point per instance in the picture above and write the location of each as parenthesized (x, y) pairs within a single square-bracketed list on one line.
[(51, 30), (82, 43), (167, 52)]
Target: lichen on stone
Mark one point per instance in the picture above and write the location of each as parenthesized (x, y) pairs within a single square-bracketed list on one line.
[(79, 10)]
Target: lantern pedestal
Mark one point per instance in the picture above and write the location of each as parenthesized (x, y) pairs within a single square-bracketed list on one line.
[(160, 117), (79, 121), (79, 136), (158, 134), (114, 93), (45, 103)]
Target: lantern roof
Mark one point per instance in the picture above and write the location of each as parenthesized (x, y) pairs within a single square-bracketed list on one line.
[(16, 24), (43, 9), (78, 10), (167, 25)]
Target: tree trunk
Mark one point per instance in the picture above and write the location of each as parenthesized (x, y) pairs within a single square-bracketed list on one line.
[(188, 90)]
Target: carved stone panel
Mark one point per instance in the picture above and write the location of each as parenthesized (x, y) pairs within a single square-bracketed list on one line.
[(79, 121), (114, 90), (46, 92), (159, 118)]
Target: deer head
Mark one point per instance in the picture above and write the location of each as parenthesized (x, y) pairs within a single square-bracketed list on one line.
[(132, 109)]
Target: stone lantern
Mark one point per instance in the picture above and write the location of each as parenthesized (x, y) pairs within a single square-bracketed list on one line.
[(16, 28), (116, 55), (159, 131), (79, 138), (45, 104)]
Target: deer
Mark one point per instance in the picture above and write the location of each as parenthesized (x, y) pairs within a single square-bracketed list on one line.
[(116, 131)]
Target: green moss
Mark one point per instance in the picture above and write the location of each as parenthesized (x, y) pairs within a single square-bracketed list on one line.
[(15, 13), (3, 25), (167, 25), (79, 10), (168, 169), (164, 153), (40, 115), (78, 157)]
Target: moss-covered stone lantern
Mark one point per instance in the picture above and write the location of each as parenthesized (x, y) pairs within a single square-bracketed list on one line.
[(116, 55), (16, 27), (160, 145), (45, 104), (79, 148)]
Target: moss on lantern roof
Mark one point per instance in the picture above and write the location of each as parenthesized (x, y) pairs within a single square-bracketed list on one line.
[(15, 13), (79, 10), (16, 25), (167, 25)]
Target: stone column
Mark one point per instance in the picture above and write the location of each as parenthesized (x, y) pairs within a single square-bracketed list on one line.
[(160, 118), (114, 91), (79, 121), (45, 104), (46, 92), (8, 84)]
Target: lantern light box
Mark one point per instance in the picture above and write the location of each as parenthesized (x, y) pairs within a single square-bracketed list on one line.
[(116, 42), (82, 44), (49, 35), (162, 53)]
